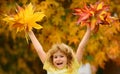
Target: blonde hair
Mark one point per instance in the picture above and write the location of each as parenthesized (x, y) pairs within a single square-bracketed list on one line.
[(68, 51)]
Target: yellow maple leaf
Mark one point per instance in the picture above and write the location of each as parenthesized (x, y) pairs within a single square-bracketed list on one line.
[(25, 19), (73, 39), (102, 15), (100, 6), (100, 58)]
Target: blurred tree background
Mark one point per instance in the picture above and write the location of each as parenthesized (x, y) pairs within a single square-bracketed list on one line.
[(19, 57)]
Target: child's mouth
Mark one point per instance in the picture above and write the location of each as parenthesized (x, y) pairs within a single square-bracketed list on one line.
[(59, 63)]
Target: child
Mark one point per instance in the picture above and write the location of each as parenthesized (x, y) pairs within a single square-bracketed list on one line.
[(61, 59)]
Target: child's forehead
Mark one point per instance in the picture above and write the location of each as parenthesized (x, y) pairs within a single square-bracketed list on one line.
[(59, 52)]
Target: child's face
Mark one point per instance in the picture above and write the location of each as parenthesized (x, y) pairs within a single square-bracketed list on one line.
[(59, 60)]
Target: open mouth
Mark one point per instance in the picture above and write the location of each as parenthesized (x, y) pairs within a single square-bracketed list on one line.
[(59, 63)]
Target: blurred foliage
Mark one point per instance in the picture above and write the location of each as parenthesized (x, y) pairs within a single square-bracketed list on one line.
[(18, 57)]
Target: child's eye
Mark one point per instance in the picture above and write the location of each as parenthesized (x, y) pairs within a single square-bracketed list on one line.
[(61, 56), (55, 56)]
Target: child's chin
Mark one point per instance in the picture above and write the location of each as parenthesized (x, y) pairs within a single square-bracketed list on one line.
[(60, 67)]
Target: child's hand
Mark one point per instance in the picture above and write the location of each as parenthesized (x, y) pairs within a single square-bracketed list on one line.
[(89, 28)]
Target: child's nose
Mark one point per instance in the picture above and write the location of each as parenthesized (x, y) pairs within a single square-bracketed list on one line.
[(58, 58)]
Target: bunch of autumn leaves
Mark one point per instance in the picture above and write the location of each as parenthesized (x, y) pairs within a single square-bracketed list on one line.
[(94, 15), (25, 18)]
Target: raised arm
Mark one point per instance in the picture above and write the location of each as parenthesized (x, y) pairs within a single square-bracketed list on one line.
[(41, 53), (82, 44)]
